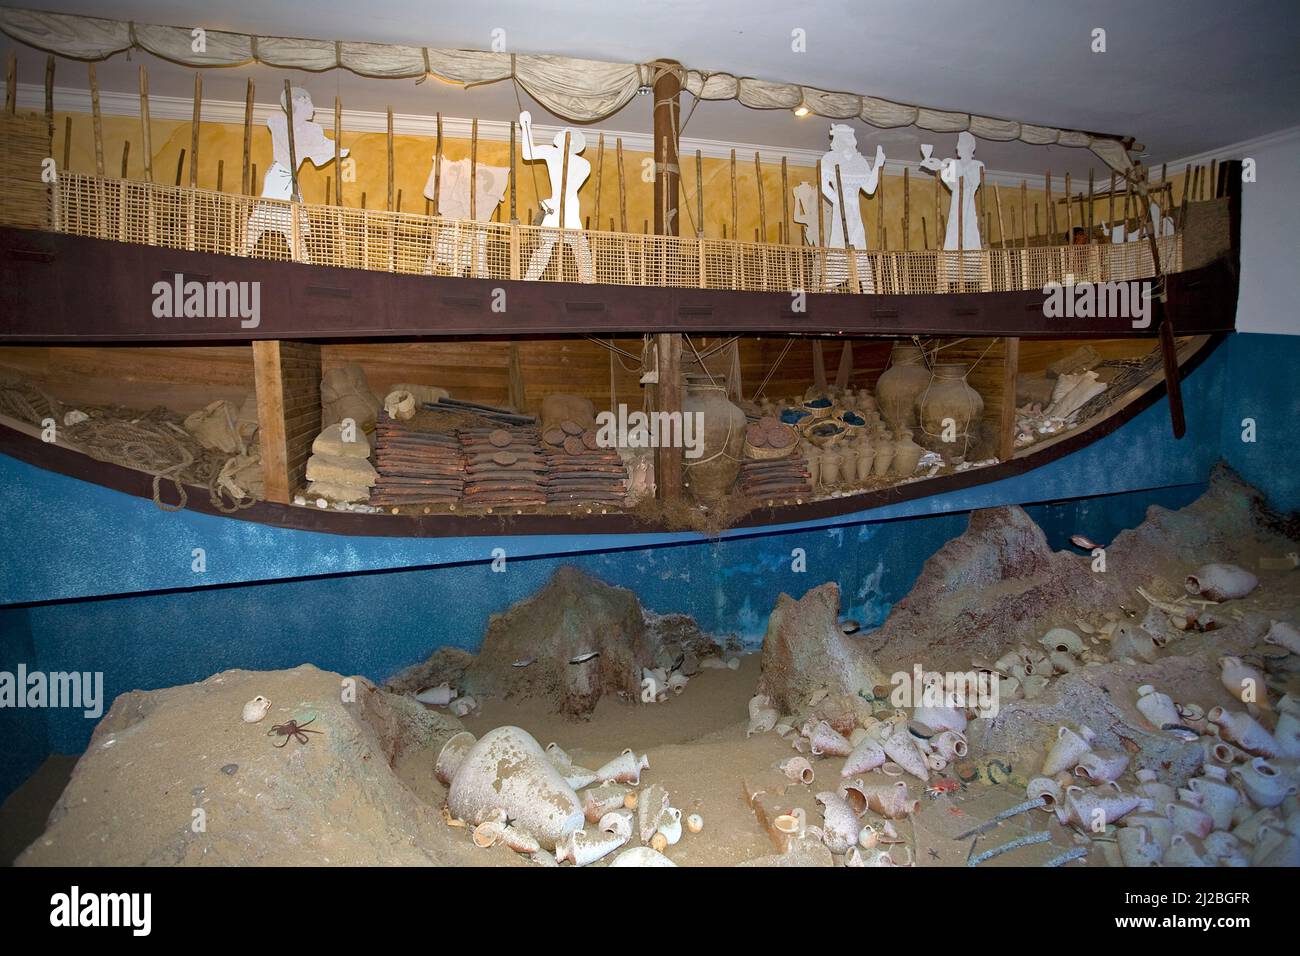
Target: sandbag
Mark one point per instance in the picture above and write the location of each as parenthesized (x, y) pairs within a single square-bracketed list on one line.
[(345, 393), (214, 427)]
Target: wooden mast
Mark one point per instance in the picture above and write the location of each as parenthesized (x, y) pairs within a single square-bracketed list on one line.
[(669, 394)]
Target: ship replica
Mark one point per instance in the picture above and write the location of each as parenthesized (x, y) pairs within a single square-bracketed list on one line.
[(794, 341)]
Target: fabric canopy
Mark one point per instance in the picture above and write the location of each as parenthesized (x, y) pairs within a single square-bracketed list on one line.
[(576, 89)]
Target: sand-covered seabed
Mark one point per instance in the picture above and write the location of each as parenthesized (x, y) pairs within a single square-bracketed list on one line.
[(175, 776)]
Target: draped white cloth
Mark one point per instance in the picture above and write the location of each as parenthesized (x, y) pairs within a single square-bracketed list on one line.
[(576, 89)]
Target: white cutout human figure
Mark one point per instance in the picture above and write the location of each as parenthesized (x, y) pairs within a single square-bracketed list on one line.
[(578, 171), (962, 177), (856, 174), (453, 203), (805, 211), (309, 143)]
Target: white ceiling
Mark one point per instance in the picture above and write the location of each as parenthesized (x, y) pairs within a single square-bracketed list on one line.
[(1183, 77)]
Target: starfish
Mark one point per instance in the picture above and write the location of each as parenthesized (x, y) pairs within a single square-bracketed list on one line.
[(934, 854), (510, 821)]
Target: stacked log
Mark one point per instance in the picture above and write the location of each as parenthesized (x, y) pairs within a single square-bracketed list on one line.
[(775, 477), (416, 467), (504, 467), (579, 470), (773, 467)]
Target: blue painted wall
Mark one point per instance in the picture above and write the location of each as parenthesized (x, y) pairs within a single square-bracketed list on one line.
[(274, 598), (1263, 385)]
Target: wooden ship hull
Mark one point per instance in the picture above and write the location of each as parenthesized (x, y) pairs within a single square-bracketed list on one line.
[(403, 295)]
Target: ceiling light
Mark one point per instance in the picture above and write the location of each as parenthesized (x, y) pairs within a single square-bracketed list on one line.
[(802, 110)]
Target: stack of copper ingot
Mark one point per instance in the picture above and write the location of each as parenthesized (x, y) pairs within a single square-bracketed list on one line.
[(579, 470), (773, 468), (416, 467), (504, 466)]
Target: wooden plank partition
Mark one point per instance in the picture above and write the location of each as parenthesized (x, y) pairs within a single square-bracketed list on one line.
[(287, 377)]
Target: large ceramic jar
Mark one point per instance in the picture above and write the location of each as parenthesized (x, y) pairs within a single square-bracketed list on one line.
[(900, 385), (948, 402), (711, 476)]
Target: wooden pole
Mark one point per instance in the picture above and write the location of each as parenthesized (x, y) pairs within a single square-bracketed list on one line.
[(735, 231), (1090, 224), (180, 166), (997, 201), (338, 150), (564, 181), (514, 185), (221, 177), (785, 203), (880, 212), (49, 95), (146, 142), (391, 171), (67, 142), (126, 156), (1069, 212), (821, 232), (907, 210), (245, 175), (194, 130), (762, 201), (669, 395), (1024, 209), (11, 84), (437, 166), (600, 173), (293, 150), (622, 186), (1110, 204), (699, 194), (97, 121), (849, 251), (1050, 213), (473, 167)]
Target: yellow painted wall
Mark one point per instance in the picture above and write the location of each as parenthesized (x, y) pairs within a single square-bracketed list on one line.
[(220, 142)]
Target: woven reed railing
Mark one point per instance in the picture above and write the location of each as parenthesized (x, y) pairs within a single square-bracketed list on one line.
[(203, 220)]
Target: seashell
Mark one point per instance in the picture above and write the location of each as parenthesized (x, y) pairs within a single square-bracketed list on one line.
[(1067, 750), (75, 417), (941, 718), (625, 768), (1098, 766), (868, 837), (464, 706), (868, 755), (826, 740), (1062, 639), (659, 843), (695, 823), (1284, 635), (797, 769), (677, 683), (507, 769), (840, 823), (1157, 708), (256, 709), (651, 806), (900, 747), (641, 856), (1221, 582), (1243, 682), (786, 823), (452, 753), (1276, 847), (439, 696), (1244, 731)]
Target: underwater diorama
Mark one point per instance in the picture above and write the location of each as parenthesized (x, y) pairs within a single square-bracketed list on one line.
[(469, 454)]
